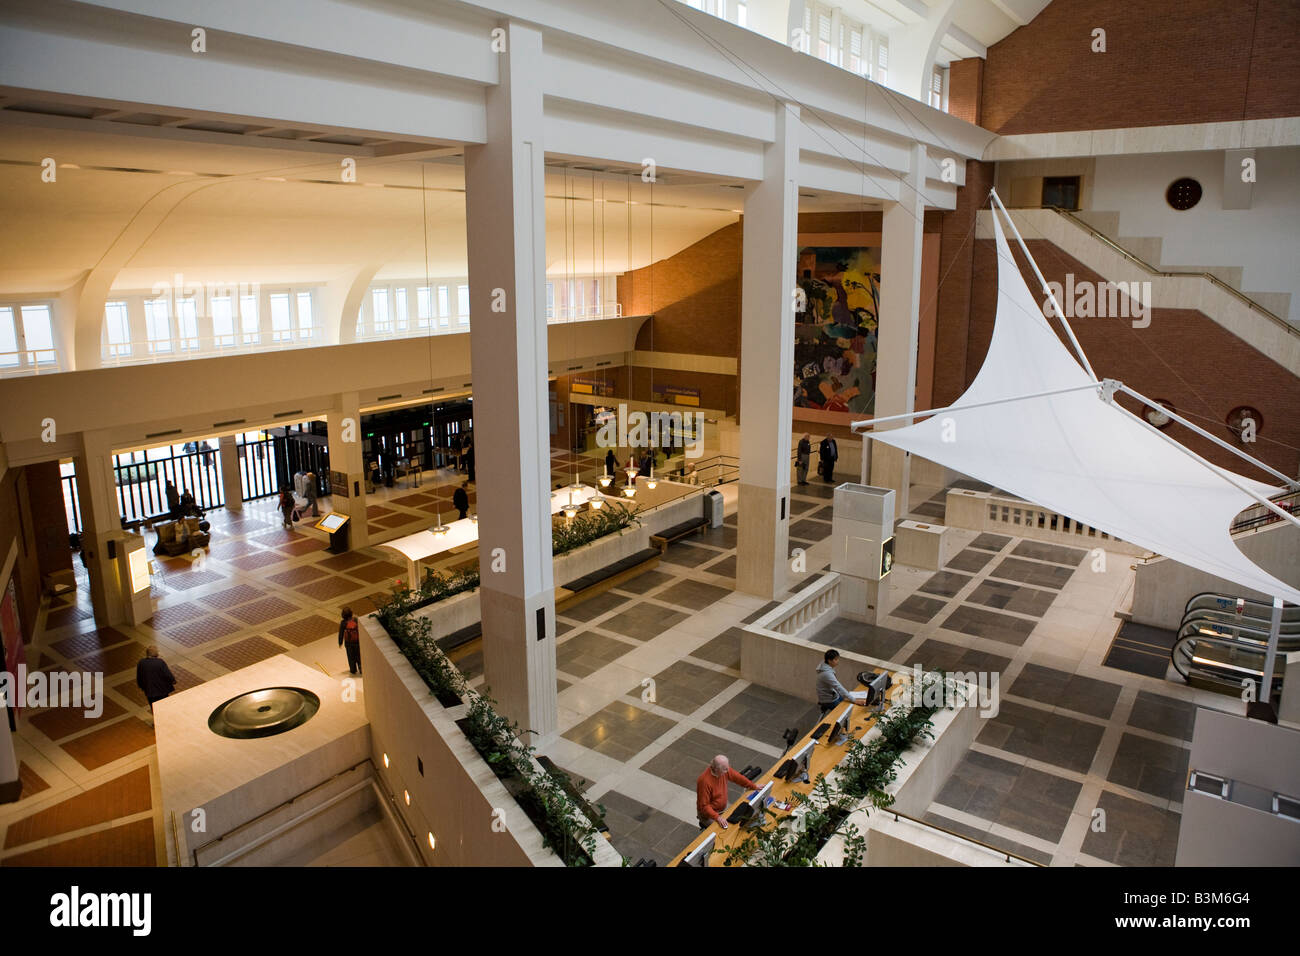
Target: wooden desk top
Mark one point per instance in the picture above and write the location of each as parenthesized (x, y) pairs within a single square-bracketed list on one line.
[(824, 759)]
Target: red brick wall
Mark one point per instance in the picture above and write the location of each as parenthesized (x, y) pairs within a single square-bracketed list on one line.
[(1166, 62), (1183, 357), (965, 81), (694, 296), (16, 527), (49, 517), (956, 251)]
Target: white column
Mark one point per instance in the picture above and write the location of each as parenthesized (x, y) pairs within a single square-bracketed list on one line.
[(348, 467), (767, 363), (232, 484), (506, 232), (900, 308), (100, 523)]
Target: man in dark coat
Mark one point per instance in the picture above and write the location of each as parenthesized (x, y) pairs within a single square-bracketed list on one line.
[(611, 462), (153, 676), (827, 453), (460, 499), (801, 459)]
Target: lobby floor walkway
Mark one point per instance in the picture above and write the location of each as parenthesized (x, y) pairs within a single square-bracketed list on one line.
[(650, 686)]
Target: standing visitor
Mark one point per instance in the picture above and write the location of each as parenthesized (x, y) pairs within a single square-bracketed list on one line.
[(309, 487), (801, 459), (173, 501), (460, 499), (286, 505), (153, 676), (350, 640)]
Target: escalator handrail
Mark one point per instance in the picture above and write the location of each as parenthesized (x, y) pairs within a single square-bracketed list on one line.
[(1286, 642), (1290, 612), (1230, 620)]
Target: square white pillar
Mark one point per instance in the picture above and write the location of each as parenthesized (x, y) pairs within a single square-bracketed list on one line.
[(506, 230), (767, 364)]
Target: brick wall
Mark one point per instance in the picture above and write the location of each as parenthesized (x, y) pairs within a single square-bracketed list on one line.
[(1182, 357), (1167, 62), (965, 80), (17, 530), (956, 252)]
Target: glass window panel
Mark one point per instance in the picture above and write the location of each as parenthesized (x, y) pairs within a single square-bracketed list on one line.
[(248, 318), (399, 305), (158, 325), (550, 300), (117, 327), (8, 338), (223, 321), (444, 308), (306, 321), (379, 309), (187, 323), (281, 317), (424, 305), (38, 332), (462, 295), (742, 15)]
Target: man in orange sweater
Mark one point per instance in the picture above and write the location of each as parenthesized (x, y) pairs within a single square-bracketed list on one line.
[(711, 791)]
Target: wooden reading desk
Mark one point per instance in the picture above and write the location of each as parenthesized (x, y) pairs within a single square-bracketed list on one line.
[(824, 759)]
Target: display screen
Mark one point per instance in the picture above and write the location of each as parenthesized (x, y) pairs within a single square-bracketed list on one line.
[(139, 563), (332, 522), (886, 556)]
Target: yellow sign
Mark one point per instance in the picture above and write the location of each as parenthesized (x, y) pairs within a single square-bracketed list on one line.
[(138, 561)]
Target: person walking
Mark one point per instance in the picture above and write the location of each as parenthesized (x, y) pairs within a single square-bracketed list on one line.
[(711, 791), (611, 462), (460, 499), (173, 501), (153, 676), (286, 505), (309, 489), (830, 692), (350, 640), (801, 459)]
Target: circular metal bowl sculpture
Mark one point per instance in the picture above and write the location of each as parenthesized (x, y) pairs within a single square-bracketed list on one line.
[(264, 713)]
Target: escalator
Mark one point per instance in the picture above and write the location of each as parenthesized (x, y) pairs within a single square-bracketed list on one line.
[(1223, 640)]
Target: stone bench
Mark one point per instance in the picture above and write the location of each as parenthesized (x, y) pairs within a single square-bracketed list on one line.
[(602, 579), (678, 531)]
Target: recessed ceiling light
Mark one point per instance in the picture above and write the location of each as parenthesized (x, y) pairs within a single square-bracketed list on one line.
[(274, 179), (181, 172), (68, 166)]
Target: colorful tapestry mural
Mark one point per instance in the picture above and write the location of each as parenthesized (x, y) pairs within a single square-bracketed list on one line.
[(835, 331)]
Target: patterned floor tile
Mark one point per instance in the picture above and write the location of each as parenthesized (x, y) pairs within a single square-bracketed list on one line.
[(122, 796), (109, 743), (243, 653)]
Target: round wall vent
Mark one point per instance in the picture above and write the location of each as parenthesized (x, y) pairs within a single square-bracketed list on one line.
[(1183, 193)]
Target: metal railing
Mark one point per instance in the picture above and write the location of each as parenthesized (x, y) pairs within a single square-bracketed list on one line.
[(897, 815), (13, 364), (211, 346), (1162, 273), (1256, 516)]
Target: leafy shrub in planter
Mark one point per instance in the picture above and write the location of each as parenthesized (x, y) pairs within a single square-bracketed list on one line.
[(539, 795), (570, 533), (866, 770)]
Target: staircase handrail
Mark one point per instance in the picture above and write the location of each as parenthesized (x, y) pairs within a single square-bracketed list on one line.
[(1137, 260)]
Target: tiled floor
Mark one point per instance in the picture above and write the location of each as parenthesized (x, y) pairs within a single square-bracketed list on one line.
[(650, 688), (89, 783)]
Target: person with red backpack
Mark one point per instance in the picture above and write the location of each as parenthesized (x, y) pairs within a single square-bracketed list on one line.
[(350, 640)]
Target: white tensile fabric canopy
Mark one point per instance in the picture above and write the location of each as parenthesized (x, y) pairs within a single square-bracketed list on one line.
[(1079, 454)]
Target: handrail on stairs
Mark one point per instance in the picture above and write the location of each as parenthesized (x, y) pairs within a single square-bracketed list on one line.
[(1070, 216)]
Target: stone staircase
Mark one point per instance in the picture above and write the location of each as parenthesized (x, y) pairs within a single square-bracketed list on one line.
[(1251, 321), (1149, 250)]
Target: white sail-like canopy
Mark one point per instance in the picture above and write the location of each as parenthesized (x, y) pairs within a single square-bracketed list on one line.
[(1081, 455)]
